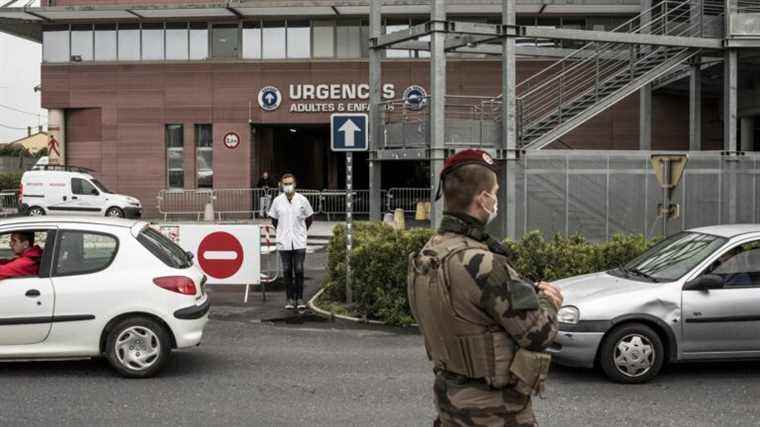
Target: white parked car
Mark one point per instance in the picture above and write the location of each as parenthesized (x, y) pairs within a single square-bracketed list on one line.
[(70, 190), (106, 287)]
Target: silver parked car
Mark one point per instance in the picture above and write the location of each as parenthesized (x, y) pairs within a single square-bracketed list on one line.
[(693, 296)]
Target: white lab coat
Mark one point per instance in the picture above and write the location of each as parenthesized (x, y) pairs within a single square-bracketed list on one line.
[(291, 221)]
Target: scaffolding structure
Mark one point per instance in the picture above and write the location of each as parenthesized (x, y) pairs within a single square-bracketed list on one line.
[(667, 41)]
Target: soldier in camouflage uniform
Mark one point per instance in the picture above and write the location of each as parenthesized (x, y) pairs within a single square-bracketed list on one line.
[(485, 328)]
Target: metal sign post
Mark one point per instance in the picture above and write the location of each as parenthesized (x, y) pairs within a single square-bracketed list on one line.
[(349, 222), (348, 133)]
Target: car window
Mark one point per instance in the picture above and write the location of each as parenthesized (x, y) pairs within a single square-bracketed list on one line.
[(82, 252), (675, 256), (164, 249), (739, 266), (7, 254), (82, 186), (102, 187)]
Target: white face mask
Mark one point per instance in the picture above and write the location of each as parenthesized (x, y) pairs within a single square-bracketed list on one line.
[(492, 214), (289, 188)]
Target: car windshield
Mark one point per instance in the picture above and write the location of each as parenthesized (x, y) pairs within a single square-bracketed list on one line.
[(101, 187), (673, 257), (164, 249)]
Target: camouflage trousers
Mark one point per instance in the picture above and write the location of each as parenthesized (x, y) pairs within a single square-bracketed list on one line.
[(475, 404)]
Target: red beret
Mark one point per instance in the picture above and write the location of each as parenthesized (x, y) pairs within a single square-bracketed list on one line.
[(468, 157)]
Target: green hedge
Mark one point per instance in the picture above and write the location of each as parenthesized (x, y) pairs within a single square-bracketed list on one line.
[(10, 180), (379, 261)]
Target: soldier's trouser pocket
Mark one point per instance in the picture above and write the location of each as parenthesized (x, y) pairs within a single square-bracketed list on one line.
[(529, 370)]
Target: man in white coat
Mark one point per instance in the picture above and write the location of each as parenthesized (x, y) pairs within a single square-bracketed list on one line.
[(291, 215)]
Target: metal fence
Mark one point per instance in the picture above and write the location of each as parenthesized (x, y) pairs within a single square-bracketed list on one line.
[(251, 202), (8, 202), (598, 194)]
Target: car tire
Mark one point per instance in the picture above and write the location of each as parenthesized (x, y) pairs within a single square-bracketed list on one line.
[(632, 353), (115, 212), (35, 211), (138, 347)]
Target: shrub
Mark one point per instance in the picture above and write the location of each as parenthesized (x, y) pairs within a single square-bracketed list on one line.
[(10, 180), (380, 255)]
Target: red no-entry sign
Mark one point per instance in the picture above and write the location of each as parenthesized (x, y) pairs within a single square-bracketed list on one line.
[(220, 255)]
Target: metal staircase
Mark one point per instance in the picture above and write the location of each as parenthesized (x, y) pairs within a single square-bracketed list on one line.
[(591, 79)]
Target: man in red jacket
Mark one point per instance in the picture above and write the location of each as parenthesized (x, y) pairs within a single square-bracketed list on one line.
[(27, 261)]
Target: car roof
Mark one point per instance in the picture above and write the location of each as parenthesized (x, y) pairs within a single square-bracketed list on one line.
[(728, 230), (53, 219)]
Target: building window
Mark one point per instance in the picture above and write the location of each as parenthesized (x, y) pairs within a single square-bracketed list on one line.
[(273, 40), (177, 41), (348, 34), (105, 42), (299, 39), (153, 42), (129, 42), (82, 42), (198, 40), (252, 40), (175, 157), (323, 35), (421, 53), (224, 43), (391, 26), (55, 44), (204, 152)]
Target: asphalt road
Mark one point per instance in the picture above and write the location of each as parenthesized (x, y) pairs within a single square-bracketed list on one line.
[(320, 373)]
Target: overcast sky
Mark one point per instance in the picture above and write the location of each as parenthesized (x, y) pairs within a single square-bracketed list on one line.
[(19, 73)]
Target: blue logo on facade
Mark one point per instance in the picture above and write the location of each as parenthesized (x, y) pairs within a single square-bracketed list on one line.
[(269, 98), (415, 97), (348, 132)]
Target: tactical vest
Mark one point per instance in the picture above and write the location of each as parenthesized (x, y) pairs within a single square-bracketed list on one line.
[(468, 343)]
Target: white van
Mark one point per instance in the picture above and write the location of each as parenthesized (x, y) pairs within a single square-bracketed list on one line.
[(70, 190)]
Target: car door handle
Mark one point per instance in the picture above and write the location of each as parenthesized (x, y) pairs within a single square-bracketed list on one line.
[(74, 198), (32, 293)]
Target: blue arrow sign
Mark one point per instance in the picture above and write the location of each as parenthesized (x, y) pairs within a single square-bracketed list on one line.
[(348, 132)]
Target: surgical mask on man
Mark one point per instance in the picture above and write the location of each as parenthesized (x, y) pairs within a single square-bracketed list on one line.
[(289, 188), (492, 213)]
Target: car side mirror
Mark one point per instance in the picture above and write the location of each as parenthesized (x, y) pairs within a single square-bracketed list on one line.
[(94, 192), (704, 282)]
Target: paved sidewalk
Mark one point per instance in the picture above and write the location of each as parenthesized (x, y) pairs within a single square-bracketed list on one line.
[(227, 300)]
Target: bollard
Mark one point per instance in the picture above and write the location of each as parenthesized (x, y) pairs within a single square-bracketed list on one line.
[(398, 218), (208, 212), (388, 219)]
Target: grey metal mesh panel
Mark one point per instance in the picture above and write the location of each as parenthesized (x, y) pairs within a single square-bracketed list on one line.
[(546, 186), (587, 192)]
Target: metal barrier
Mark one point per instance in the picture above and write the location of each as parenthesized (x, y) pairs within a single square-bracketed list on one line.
[(271, 268), (250, 202), (184, 202), (406, 198), (8, 203), (333, 202)]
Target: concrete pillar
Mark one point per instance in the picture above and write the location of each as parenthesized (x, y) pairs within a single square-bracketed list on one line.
[(748, 133), (508, 217), (437, 109), (695, 107), (57, 131), (375, 114), (645, 118), (645, 93), (730, 100)]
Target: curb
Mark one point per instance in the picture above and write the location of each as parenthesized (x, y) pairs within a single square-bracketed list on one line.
[(331, 315)]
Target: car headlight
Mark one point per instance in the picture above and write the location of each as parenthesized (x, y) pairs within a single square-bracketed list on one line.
[(568, 314)]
